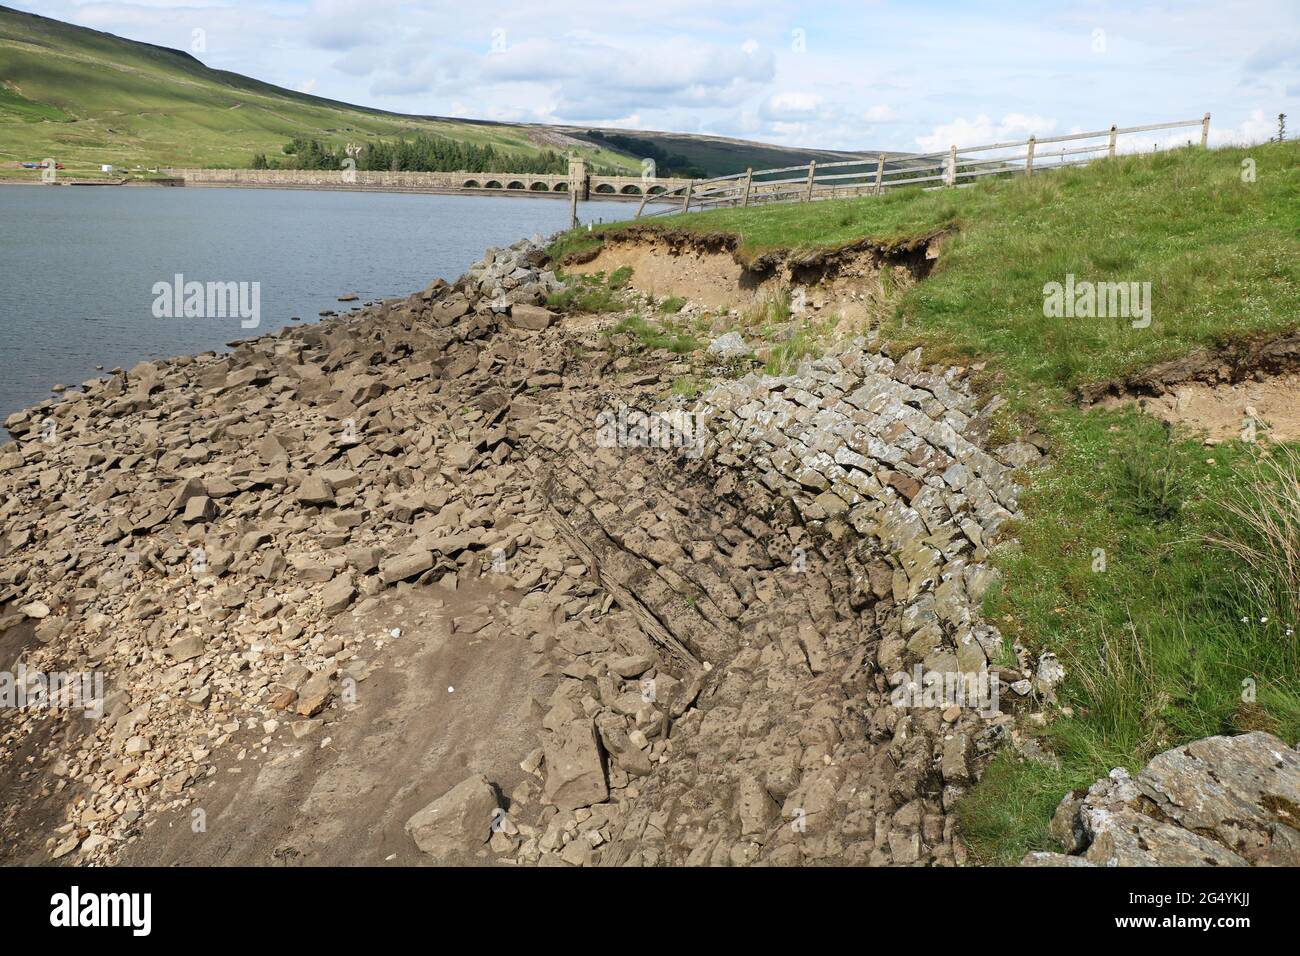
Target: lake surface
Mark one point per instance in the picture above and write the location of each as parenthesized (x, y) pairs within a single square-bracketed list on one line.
[(78, 265)]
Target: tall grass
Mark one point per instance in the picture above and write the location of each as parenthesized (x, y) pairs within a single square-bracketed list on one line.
[(1263, 531)]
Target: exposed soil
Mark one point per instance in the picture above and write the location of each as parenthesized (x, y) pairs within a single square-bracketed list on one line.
[(437, 707), (1249, 388), (1227, 412), (707, 268)]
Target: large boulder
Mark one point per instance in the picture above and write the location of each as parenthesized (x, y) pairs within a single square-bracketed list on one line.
[(1220, 801), (575, 769), (458, 823)]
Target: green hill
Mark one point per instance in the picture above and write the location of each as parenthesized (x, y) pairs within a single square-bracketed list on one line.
[(88, 98)]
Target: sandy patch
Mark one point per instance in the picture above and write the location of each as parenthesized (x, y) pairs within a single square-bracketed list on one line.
[(1227, 412)]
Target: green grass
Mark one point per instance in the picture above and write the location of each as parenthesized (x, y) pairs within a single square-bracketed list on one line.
[(1223, 256), (657, 335), (687, 387), (592, 293), (672, 305), (806, 342), (87, 98), (620, 278), (1165, 639)]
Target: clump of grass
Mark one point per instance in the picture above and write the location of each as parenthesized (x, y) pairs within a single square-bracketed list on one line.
[(584, 294), (673, 305), (620, 277), (653, 335), (785, 356), (767, 312), (1262, 529), (1153, 480), (687, 387)]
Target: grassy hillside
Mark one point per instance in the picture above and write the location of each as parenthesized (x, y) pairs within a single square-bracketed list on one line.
[(1162, 641), (87, 98)]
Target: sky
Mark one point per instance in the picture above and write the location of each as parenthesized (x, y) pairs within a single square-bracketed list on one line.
[(865, 75)]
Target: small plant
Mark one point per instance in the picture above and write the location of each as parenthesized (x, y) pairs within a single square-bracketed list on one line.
[(672, 306), (583, 294), (785, 357), (620, 278), (1152, 480), (767, 312), (651, 335), (687, 387)]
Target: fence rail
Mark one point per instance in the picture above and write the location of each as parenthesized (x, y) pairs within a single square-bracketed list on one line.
[(871, 177)]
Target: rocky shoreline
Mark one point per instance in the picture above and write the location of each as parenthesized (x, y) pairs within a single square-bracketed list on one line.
[(730, 640)]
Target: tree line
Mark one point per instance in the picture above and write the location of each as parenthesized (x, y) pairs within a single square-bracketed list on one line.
[(424, 153)]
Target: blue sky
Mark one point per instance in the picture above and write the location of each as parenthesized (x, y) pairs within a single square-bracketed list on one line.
[(870, 74)]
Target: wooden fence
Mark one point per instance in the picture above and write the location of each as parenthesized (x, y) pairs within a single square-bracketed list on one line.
[(870, 177)]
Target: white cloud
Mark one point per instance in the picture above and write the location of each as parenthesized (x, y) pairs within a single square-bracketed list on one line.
[(869, 76), (982, 131)]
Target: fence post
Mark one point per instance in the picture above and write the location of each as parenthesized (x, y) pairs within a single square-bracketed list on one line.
[(812, 169), (1029, 158), (1114, 132), (749, 181), (880, 174), (645, 197), (686, 200), (573, 209), (1205, 131), (952, 166)]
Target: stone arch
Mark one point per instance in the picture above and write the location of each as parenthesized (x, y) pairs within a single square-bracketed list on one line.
[(631, 190), (492, 184), (514, 184), (604, 188), (540, 187), (560, 188), (656, 190), (470, 184)]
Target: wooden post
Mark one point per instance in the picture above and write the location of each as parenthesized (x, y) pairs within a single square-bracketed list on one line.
[(645, 197), (686, 199), (1029, 158), (1205, 131), (952, 165), (749, 182), (1114, 132), (573, 208), (812, 170), (880, 174)]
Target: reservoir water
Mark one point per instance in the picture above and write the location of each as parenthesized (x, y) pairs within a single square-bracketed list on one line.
[(79, 265)]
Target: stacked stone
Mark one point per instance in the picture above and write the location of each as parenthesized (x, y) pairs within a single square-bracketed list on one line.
[(762, 591), (887, 449)]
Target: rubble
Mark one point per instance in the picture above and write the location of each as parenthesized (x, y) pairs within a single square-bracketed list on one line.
[(738, 632)]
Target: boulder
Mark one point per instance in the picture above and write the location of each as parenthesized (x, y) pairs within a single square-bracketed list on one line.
[(458, 823), (729, 347), (575, 768), (1219, 801), (315, 491), (531, 318)]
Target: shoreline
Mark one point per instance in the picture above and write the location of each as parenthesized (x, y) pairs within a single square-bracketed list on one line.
[(411, 190)]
